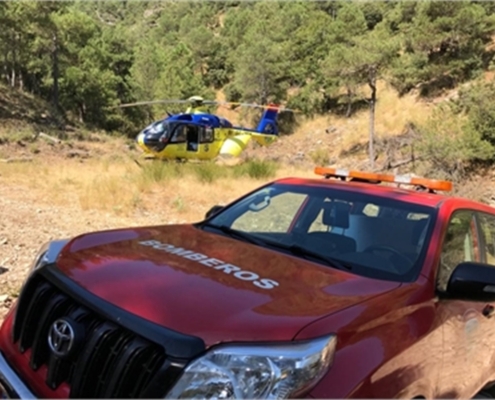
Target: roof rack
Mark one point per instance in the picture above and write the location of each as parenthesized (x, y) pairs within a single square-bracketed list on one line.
[(430, 185)]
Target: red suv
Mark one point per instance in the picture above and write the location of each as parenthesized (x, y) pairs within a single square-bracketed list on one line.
[(346, 286)]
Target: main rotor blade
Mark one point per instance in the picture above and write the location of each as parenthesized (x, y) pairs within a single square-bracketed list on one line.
[(254, 105), (143, 103)]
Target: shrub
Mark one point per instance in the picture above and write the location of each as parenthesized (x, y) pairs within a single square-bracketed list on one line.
[(257, 169), (320, 156), (208, 172), (449, 142)]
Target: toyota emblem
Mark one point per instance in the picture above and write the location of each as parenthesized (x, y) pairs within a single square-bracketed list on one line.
[(61, 337)]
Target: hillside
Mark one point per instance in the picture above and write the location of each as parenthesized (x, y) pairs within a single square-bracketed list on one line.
[(320, 138), (329, 139), (85, 58)]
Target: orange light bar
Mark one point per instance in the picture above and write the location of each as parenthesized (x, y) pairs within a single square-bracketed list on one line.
[(372, 176)]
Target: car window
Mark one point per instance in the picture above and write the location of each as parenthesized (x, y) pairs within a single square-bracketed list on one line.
[(381, 237), (460, 245), (371, 210), (270, 214), (319, 224), (387, 236), (487, 225)]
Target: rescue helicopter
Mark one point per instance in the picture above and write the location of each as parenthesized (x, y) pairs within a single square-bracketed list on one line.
[(198, 134)]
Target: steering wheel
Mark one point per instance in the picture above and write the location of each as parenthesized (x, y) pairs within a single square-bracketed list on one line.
[(378, 247)]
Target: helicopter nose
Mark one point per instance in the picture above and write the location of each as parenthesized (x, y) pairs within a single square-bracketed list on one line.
[(140, 139)]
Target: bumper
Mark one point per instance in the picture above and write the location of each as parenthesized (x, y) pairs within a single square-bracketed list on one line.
[(11, 385)]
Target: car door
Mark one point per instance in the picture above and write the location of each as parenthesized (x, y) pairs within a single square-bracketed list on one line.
[(486, 224), (465, 363)]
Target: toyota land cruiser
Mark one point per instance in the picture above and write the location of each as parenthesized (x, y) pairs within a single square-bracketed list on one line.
[(357, 285)]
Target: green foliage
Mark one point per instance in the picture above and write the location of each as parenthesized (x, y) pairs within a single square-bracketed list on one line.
[(86, 57), (25, 134), (450, 142), (444, 43), (260, 60), (477, 102), (360, 57)]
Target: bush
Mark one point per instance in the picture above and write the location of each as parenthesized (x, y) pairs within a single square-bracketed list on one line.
[(450, 142), (320, 156), (477, 102)]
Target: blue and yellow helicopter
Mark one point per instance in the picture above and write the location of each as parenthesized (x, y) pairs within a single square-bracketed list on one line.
[(197, 134)]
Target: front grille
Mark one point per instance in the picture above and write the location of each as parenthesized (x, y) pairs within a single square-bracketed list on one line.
[(107, 360)]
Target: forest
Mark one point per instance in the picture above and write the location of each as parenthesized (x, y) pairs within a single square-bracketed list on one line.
[(85, 58)]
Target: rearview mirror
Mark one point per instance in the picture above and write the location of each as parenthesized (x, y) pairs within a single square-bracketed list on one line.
[(260, 202), (212, 211), (472, 281)]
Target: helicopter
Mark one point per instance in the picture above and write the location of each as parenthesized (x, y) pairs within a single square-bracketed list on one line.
[(198, 134)]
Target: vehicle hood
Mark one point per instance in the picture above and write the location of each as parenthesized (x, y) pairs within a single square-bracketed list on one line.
[(210, 285)]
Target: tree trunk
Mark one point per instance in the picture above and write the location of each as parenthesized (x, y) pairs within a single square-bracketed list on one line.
[(55, 72), (82, 112), (14, 62), (20, 72), (6, 67), (349, 103), (372, 85)]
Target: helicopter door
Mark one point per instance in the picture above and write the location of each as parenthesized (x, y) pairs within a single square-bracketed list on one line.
[(177, 144), (192, 138)]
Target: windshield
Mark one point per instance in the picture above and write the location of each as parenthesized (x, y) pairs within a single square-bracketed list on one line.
[(161, 128), (368, 235)]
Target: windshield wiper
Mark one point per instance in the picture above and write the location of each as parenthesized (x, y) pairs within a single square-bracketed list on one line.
[(235, 233), (306, 253)]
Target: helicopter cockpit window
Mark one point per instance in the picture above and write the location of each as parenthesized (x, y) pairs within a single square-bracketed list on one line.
[(180, 134), (158, 128), (206, 135)]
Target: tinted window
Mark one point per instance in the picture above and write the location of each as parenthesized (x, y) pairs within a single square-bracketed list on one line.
[(460, 244), (180, 134), (380, 237), (206, 135), (487, 225)]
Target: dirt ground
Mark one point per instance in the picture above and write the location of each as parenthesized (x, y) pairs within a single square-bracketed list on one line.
[(26, 223)]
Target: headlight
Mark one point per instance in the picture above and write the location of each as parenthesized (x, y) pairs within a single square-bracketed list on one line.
[(256, 371), (48, 253)]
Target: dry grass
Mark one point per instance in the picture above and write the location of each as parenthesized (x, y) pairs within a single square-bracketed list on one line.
[(110, 180), (393, 113), (119, 186)]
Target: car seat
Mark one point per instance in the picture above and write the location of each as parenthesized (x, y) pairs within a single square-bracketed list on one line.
[(335, 215)]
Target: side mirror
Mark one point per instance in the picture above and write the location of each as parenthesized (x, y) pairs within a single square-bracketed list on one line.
[(472, 281), (212, 211)]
